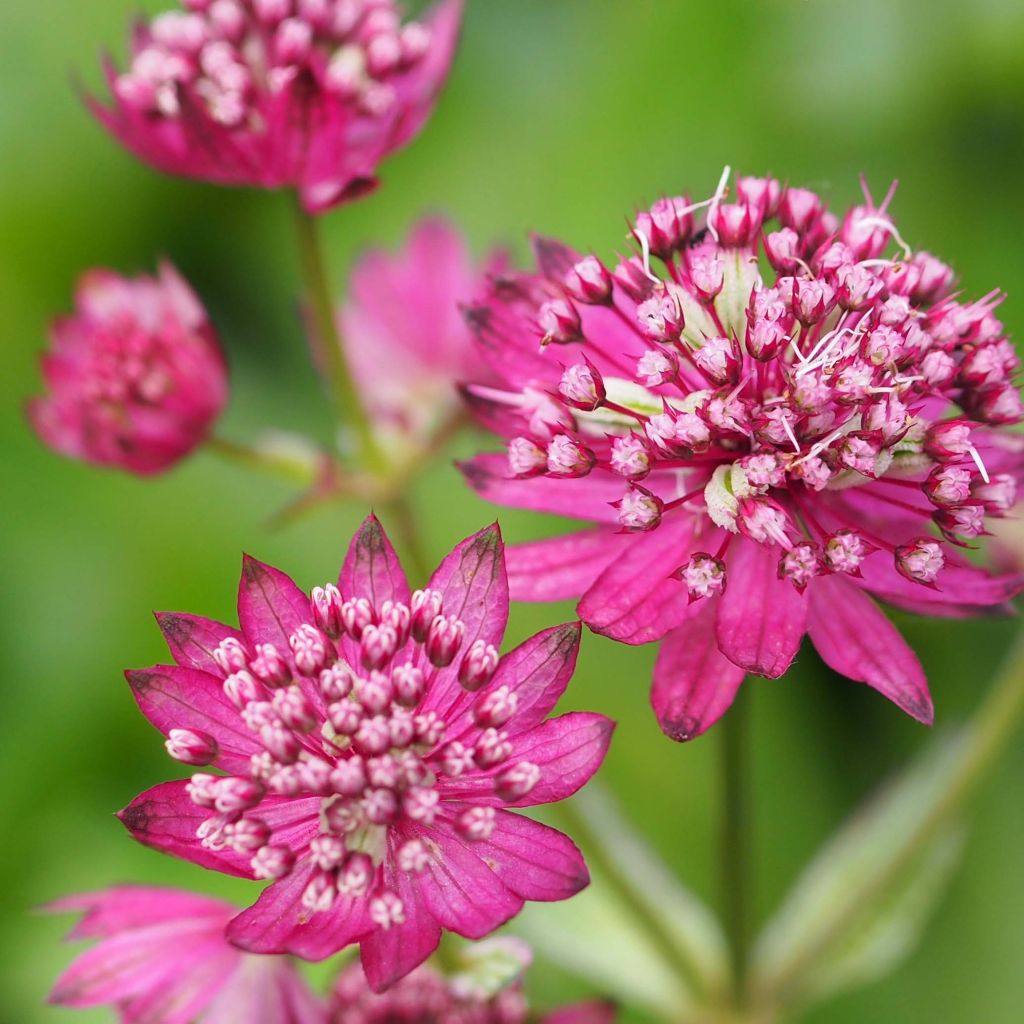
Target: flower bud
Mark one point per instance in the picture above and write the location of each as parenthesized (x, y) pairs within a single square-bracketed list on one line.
[(661, 316), (629, 457), (191, 747), (703, 575), (801, 564), (478, 666), (639, 510), (589, 281), (326, 602), (444, 640), (582, 386), (920, 561), (568, 458), (525, 458), (559, 322)]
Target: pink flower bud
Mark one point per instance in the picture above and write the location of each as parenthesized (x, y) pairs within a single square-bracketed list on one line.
[(948, 485), (295, 709), (310, 649), (801, 564), (426, 606), (293, 41), (387, 910), (629, 457), (661, 316), (345, 716), (1000, 404), (717, 359), (494, 709), (764, 521), (409, 684), (413, 856), (998, 495), (783, 250), (326, 602), (525, 458), (589, 281), (348, 777), (736, 224), (247, 835), (444, 640), (948, 439), (383, 772), (567, 457), (420, 804), (475, 823), (376, 646), (703, 574), (935, 278), (373, 736), (273, 862), (966, 521), (430, 729), (657, 366), (326, 852), (191, 747), (375, 693), (639, 510), (799, 209), (478, 665), (582, 387), (844, 551), (666, 226), (679, 434), (356, 874), (356, 614), (857, 287), (765, 339), (921, 560), (280, 741), (763, 471), (380, 806), (336, 682), (241, 689), (629, 275), (402, 727), (517, 781), (269, 666), (559, 322), (812, 300), (491, 748), (235, 794), (230, 656), (707, 272)]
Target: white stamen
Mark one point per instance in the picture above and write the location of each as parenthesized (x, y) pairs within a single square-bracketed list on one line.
[(716, 199), (884, 222), (784, 420), (975, 454), (645, 248)]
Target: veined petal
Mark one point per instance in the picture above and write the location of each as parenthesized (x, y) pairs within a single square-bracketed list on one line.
[(855, 638), (694, 683), (562, 567), (270, 606), (371, 568), (112, 911), (172, 697), (193, 639), (761, 619), (265, 989)]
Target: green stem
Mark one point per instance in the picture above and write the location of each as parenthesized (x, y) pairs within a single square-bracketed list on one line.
[(401, 514), (281, 466), (327, 340), (735, 837)]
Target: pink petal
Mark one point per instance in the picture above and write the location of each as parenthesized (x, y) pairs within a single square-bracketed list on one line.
[(460, 889), (270, 606), (562, 567), (694, 683), (635, 600), (588, 498), (761, 619), (568, 750), (596, 1011), (269, 990), (856, 639), (182, 698), (278, 923), (371, 567), (122, 907), (193, 639), (536, 862), (166, 819)]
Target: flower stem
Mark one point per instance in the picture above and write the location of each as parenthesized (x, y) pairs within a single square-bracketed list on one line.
[(328, 350), (401, 514), (735, 837), (282, 466)]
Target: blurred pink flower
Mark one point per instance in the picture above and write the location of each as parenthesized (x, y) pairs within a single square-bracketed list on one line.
[(135, 375), (759, 458), (311, 95), (405, 336), (427, 997), (163, 959), (372, 742)]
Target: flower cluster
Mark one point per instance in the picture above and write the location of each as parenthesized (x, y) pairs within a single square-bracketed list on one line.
[(310, 94), (797, 412), (371, 741), (135, 376)]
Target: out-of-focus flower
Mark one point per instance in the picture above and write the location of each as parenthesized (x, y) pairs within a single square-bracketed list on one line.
[(428, 997), (372, 741), (135, 375), (163, 959), (405, 337), (309, 94), (806, 443)]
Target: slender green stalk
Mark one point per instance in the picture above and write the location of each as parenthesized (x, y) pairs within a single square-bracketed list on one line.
[(735, 837), (401, 514), (281, 466), (327, 340)]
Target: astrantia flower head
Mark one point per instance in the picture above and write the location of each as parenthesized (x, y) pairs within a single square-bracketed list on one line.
[(405, 337), (309, 94), (368, 743), (135, 375), (815, 417), (163, 959)]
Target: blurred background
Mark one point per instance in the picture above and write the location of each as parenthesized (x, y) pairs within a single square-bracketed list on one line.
[(560, 117)]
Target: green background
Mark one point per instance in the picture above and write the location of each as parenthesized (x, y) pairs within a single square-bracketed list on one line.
[(561, 116)]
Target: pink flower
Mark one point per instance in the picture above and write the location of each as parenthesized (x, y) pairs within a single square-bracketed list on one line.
[(135, 376), (371, 742), (406, 339), (270, 93), (807, 443), (427, 997), (163, 959)]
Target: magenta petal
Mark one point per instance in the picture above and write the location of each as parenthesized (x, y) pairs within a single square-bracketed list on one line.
[(694, 683), (390, 953), (269, 990), (193, 639), (182, 698), (460, 889), (270, 606), (371, 567), (562, 567), (278, 923), (634, 600), (761, 619), (567, 750), (856, 639), (115, 910), (533, 860)]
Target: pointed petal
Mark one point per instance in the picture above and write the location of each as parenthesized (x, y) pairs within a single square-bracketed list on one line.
[(278, 923), (567, 750), (535, 861), (265, 989), (371, 568), (459, 889), (634, 600), (193, 639), (182, 698), (562, 567), (270, 606), (588, 497), (112, 911), (694, 683), (856, 639), (761, 619)]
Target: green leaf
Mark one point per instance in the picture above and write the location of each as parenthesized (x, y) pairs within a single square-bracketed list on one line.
[(859, 907)]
